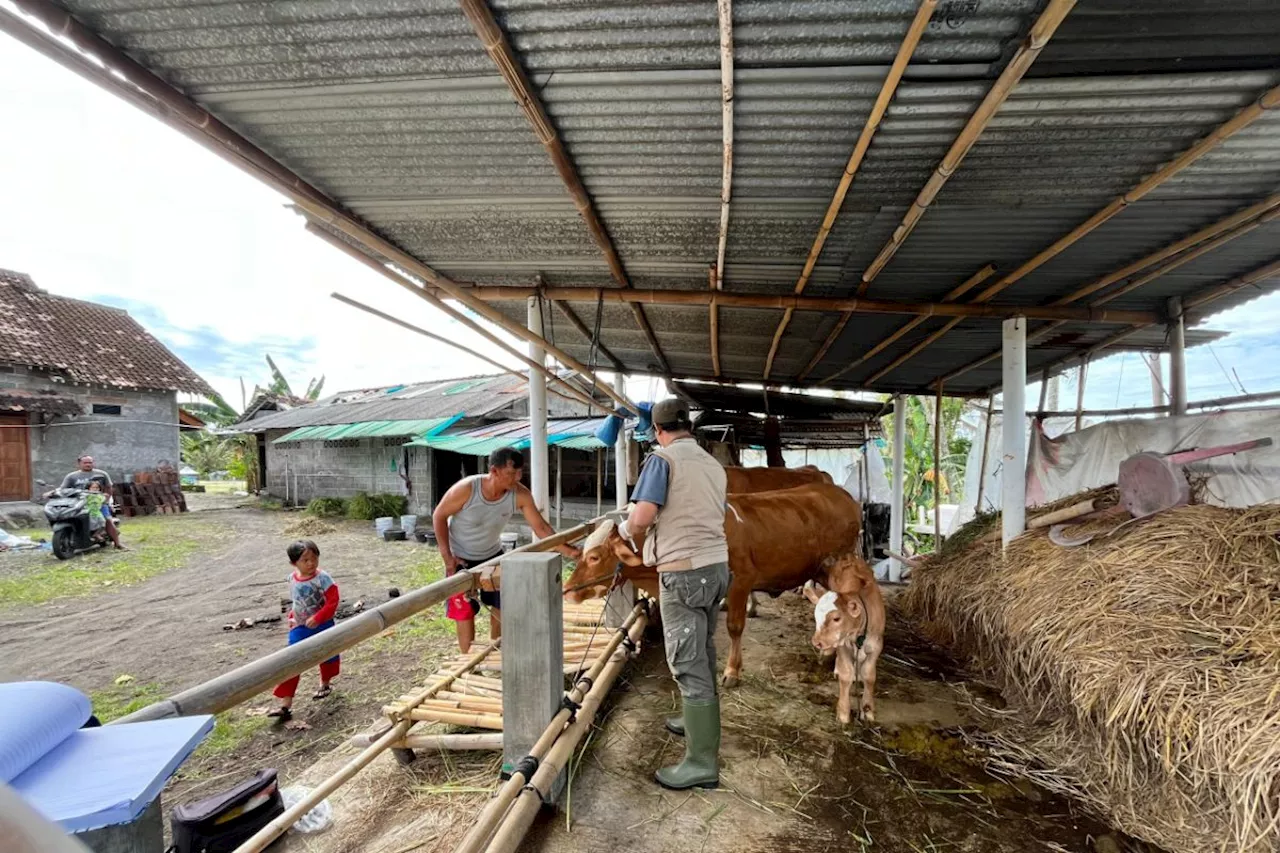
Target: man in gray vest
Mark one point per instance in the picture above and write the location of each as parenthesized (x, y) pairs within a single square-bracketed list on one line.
[(468, 523), (679, 513)]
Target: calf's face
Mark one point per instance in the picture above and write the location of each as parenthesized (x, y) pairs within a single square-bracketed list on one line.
[(837, 618)]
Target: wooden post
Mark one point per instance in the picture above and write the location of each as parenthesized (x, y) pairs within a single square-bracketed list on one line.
[(559, 486), (1013, 428), (537, 414), (986, 448), (533, 652), (1082, 374), (1156, 368), (1044, 391), (1177, 359), (937, 471), (600, 454), (897, 514)]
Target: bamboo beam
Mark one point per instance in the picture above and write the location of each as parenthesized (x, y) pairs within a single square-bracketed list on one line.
[(499, 48), (724, 13), (412, 287), (119, 74), (573, 396), (577, 323), (905, 51), (1081, 378), (714, 316), (1041, 31), (1223, 132), (955, 293)]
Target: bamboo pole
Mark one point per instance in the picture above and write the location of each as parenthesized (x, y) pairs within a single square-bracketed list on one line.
[(449, 311), (956, 292), (1082, 375), (1041, 31), (887, 89), (714, 317), (466, 666), (986, 448), (724, 14), (590, 682), (442, 742), (498, 46), (937, 471), (577, 397), (123, 76), (457, 718), (269, 833)]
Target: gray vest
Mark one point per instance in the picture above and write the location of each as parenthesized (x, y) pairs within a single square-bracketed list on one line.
[(689, 530), (475, 532)]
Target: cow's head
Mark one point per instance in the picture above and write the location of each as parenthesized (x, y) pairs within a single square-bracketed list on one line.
[(837, 617), (601, 552), (840, 612)]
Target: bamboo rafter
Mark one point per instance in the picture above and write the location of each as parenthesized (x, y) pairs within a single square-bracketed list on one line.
[(905, 51)]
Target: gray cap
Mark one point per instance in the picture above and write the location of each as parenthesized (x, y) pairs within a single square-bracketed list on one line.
[(671, 413)]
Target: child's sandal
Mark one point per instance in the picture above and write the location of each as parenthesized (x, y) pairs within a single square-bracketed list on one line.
[(322, 692), (282, 714)]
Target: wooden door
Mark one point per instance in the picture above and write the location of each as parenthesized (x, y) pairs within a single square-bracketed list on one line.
[(15, 459)]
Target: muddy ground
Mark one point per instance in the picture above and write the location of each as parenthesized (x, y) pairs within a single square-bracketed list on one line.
[(793, 780), (164, 632)]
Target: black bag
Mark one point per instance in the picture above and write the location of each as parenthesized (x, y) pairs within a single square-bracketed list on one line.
[(221, 823)]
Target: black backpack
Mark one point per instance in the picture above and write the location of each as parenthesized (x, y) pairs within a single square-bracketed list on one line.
[(222, 822)]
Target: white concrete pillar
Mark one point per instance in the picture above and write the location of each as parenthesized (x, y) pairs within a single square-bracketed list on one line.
[(897, 512), (1177, 358), (539, 480), (620, 455), (532, 652), (1013, 426)]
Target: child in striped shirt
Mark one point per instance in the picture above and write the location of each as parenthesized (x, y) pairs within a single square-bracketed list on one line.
[(315, 600)]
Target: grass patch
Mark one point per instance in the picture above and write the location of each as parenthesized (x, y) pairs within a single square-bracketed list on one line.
[(230, 730), (123, 699), (158, 544), (222, 487), (426, 568)]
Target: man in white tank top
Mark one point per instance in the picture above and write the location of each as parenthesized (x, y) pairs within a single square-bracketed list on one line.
[(468, 523)]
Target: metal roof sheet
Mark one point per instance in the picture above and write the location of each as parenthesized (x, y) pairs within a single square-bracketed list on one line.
[(370, 429), (393, 108), (575, 433)]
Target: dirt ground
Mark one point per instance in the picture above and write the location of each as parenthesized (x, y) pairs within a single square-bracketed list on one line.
[(201, 571), (793, 780)]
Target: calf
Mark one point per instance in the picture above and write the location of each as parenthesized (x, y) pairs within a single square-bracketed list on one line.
[(777, 541), (850, 623)]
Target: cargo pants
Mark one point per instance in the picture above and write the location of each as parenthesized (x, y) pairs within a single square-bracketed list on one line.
[(690, 602)]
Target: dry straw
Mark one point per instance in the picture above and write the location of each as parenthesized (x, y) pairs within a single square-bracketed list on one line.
[(1144, 667)]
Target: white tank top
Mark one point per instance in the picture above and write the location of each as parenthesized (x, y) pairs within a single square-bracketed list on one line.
[(475, 532)]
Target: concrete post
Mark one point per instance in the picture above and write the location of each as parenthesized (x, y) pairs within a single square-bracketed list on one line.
[(532, 652), (1177, 358), (538, 461), (620, 456), (1013, 426), (897, 512)]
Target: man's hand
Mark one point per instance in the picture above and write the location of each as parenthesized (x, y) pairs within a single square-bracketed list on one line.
[(572, 552), (451, 564)]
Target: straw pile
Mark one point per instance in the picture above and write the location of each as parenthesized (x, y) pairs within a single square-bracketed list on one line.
[(1142, 670), (308, 527)]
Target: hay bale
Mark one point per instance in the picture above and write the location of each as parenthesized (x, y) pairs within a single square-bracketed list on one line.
[(308, 527), (1144, 667)]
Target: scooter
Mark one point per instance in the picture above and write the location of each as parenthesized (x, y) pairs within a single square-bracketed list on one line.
[(68, 516)]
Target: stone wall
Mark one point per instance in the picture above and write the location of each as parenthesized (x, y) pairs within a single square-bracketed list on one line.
[(301, 470), (144, 434)]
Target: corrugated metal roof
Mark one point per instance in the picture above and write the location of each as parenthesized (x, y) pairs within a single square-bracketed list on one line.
[(370, 429), (576, 434), (393, 107)]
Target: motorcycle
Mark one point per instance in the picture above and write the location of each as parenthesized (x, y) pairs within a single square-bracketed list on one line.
[(68, 516)]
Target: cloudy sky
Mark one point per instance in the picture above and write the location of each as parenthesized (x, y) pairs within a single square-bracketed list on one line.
[(102, 202)]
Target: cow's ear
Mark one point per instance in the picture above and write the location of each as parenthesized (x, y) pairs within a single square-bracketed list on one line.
[(624, 553), (850, 604), (811, 591)]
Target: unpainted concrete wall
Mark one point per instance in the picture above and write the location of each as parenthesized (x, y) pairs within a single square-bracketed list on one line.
[(339, 469), (144, 434)]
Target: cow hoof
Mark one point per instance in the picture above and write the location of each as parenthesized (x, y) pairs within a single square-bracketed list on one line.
[(845, 719), (868, 716), (729, 680)]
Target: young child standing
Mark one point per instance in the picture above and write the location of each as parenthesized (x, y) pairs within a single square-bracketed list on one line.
[(315, 600)]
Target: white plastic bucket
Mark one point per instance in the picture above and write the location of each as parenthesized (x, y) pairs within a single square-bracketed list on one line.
[(383, 524), (509, 541), (409, 523)]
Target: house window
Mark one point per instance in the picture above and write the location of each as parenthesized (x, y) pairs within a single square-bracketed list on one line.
[(106, 409)]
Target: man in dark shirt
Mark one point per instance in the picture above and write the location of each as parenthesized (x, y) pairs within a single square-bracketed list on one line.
[(81, 478)]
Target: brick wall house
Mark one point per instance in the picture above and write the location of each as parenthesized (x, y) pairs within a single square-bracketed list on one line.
[(77, 377)]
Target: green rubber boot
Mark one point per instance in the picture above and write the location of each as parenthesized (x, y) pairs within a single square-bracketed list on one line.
[(675, 725), (701, 765)]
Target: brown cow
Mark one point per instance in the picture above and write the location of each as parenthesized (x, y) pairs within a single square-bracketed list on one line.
[(743, 481), (850, 623), (746, 481), (777, 541)]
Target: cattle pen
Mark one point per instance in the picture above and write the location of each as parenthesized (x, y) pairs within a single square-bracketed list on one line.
[(802, 218)]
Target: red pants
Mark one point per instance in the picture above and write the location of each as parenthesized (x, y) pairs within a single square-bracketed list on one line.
[(286, 689)]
